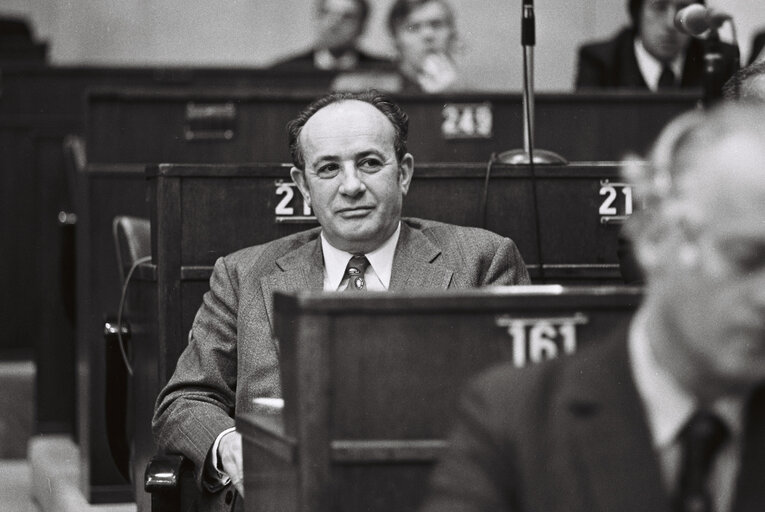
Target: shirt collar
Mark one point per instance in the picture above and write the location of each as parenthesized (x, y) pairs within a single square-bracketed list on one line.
[(668, 406), (381, 261), (324, 59), (651, 67)]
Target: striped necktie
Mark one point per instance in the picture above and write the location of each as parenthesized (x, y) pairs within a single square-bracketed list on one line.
[(355, 273)]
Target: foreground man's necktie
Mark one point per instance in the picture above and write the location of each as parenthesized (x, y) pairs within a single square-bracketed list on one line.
[(701, 439)]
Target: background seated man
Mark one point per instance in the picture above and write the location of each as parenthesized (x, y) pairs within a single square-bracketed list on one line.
[(425, 37), (651, 54), (669, 415), (352, 167), (340, 23)]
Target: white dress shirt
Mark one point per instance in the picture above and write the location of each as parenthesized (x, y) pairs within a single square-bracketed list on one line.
[(668, 408), (324, 59), (651, 67)]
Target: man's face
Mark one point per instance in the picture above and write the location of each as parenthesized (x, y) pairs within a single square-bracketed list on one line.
[(657, 28), (352, 178), (340, 24), (427, 30), (712, 277)]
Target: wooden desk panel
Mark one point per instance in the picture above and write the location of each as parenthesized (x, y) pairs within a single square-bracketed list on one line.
[(369, 394), (216, 209), (138, 125)]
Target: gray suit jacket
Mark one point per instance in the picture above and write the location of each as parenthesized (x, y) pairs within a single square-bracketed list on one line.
[(569, 435), (232, 355)]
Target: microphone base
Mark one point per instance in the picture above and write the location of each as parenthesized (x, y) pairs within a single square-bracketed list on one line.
[(521, 157)]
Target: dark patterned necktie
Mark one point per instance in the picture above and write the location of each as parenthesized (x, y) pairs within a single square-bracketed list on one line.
[(701, 439), (667, 78), (355, 273)]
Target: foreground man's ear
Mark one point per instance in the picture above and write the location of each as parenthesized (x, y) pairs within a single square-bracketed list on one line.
[(406, 170), (298, 176)]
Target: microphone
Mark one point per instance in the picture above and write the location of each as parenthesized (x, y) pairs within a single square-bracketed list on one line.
[(696, 19), (528, 30)]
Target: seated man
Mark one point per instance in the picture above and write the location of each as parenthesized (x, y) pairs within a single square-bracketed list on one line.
[(651, 54), (425, 37), (352, 167), (340, 23), (669, 415)]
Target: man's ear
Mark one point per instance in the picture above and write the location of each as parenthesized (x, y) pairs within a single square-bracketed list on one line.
[(406, 170), (298, 176)]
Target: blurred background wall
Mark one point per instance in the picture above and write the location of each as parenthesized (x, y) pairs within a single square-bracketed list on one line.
[(258, 32)]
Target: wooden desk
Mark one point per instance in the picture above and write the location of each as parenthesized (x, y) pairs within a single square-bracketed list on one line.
[(137, 125), (207, 211), (369, 393)]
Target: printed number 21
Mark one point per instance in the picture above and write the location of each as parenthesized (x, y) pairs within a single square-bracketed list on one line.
[(607, 208)]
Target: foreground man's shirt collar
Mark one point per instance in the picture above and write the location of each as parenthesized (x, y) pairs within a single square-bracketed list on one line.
[(380, 263)]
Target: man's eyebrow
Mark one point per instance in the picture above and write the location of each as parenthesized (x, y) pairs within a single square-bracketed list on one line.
[(324, 158), (368, 152)]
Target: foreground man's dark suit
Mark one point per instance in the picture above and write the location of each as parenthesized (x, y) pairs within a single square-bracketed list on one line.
[(232, 355), (613, 63), (569, 436)]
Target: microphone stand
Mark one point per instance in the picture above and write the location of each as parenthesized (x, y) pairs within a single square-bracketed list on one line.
[(529, 155)]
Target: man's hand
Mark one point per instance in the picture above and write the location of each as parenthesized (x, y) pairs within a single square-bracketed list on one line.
[(230, 458), (437, 73)]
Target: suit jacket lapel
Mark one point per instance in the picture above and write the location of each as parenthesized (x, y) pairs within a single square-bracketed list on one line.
[(750, 488), (416, 264), (610, 432), (300, 269), (628, 64)]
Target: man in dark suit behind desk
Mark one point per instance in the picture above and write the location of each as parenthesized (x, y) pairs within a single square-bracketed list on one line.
[(651, 54), (351, 165), (340, 24), (669, 415)]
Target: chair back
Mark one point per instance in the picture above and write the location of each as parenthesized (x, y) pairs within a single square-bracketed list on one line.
[(132, 241)]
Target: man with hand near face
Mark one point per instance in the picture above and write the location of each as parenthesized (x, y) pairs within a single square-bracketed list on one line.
[(425, 37), (651, 54), (352, 167)]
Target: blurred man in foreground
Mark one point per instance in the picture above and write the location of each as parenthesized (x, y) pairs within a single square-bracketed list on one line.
[(651, 54), (353, 169), (670, 415)]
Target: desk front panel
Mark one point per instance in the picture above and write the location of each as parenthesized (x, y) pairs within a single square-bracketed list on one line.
[(241, 125)]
